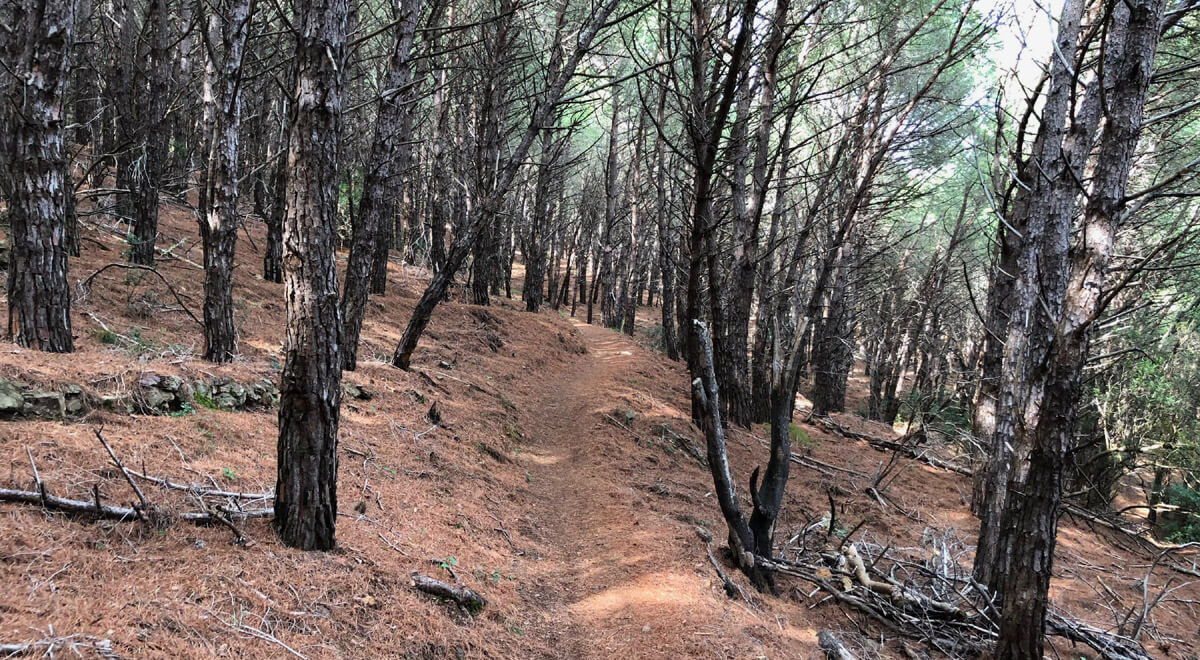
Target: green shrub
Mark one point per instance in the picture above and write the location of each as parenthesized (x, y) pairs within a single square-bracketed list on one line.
[(1183, 524)]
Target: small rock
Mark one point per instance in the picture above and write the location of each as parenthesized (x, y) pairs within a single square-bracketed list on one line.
[(646, 629), (445, 365), (704, 534), (149, 380), (11, 400), (229, 395), (357, 392), (157, 400), (118, 403), (73, 396), (45, 404)]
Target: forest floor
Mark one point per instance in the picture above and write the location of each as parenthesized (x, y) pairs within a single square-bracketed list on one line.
[(558, 484)]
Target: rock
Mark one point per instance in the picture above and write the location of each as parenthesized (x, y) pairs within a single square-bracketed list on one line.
[(149, 380), (229, 395), (704, 534), (11, 400), (49, 405), (445, 365), (157, 399), (357, 392), (74, 400), (201, 389), (171, 384), (262, 393), (118, 403)]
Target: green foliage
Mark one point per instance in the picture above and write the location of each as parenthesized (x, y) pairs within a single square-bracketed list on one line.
[(107, 337), (799, 437), (1182, 525), (204, 400)]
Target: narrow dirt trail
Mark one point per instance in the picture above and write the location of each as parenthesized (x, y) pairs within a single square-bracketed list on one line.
[(619, 575)]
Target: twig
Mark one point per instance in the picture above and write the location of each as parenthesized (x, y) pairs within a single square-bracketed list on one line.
[(121, 467)]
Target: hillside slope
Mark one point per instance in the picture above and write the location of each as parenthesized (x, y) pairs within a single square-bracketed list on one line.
[(556, 478)]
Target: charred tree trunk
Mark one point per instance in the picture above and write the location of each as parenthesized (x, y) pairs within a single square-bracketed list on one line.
[(310, 387), (35, 181)]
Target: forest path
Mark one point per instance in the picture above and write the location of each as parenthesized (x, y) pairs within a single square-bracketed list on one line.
[(618, 576)]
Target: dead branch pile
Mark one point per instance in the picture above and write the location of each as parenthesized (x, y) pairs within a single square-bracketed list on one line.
[(923, 594), (216, 506)]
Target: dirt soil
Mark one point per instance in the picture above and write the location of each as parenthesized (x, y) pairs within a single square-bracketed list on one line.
[(558, 484)]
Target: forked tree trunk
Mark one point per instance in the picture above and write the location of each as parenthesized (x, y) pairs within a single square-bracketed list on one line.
[(310, 387), (39, 299), (1031, 512)]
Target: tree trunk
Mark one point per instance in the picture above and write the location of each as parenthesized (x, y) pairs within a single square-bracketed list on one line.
[(310, 387), (389, 153), (35, 181), (149, 168), (1031, 511), (219, 215)]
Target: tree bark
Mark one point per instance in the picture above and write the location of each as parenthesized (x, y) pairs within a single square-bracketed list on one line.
[(1031, 511), (35, 181), (219, 215), (310, 387), (147, 170)]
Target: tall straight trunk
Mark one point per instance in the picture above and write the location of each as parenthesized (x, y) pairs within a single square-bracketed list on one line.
[(535, 257), (152, 162), (832, 341), (219, 215), (606, 269), (666, 253), (465, 237), (310, 386), (35, 181), (389, 153), (632, 273), (1031, 511)]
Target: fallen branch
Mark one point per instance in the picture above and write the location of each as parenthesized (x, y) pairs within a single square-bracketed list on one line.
[(87, 281), (107, 511), (462, 596), (883, 444), (203, 490)]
